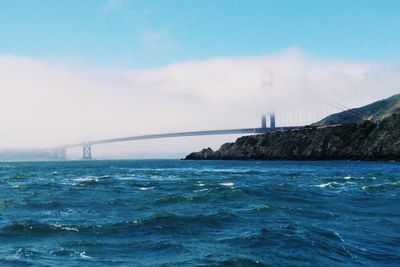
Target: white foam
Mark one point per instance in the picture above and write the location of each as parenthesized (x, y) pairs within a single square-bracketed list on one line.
[(70, 229), (145, 188), (86, 179), (200, 183), (228, 184), (201, 190), (66, 227), (125, 178), (90, 178), (326, 185), (84, 256)]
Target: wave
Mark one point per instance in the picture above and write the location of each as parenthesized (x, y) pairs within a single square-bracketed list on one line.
[(227, 184), (18, 176), (171, 199), (13, 262), (35, 228), (236, 261), (329, 184), (173, 220), (109, 213), (27, 253), (379, 187), (6, 203), (87, 180), (71, 253), (161, 221)]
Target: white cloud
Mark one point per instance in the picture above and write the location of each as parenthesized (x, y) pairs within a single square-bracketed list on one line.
[(45, 104)]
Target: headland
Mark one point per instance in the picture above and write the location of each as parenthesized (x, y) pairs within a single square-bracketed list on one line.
[(342, 137)]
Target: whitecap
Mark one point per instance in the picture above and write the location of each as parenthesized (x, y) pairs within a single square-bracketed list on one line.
[(201, 190), (70, 229), (228, 184), (125, 178), (84, 256), (86, 179), (145, 188), (67, 228), (338, 235), (90, 178), (200, 183), (326, 185)]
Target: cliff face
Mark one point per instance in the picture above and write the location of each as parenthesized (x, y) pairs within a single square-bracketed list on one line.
[(365, 141)]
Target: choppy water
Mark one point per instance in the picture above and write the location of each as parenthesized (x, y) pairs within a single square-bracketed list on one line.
[(185, 213)]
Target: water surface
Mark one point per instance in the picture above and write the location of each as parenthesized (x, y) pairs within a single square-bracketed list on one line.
[(199, 213)]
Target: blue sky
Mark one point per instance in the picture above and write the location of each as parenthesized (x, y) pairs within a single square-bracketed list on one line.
[(93, 69), (147, 34)]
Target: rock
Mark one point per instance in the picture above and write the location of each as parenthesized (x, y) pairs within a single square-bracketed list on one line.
[(362, 141)]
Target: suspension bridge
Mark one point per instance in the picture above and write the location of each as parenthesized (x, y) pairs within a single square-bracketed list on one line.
[(60, 153)]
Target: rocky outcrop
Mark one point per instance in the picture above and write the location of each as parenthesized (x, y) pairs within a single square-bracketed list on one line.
[(363, 141)]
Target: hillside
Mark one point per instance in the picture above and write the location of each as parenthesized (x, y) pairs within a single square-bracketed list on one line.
[(364, 141), (376, 111)]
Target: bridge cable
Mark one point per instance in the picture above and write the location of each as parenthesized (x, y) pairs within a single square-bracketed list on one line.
[(351, 111)]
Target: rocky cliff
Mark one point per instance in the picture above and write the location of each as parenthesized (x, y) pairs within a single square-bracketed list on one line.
[(364, 141)]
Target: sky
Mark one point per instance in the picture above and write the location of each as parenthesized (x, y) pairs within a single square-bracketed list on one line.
[(146, 34), (74, 70)]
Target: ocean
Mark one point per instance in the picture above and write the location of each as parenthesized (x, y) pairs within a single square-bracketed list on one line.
[(199, 213)]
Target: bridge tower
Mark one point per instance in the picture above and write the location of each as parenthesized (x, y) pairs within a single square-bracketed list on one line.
[(58, 153), (272, 120), (87, 151), (263, 121)]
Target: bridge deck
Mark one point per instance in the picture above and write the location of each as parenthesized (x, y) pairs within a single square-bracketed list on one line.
[(185, 134)]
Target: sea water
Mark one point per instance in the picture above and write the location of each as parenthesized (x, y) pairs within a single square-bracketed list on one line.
[(200, 213)]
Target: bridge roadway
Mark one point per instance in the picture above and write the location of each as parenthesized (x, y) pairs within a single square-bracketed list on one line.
[(183, 134), (60, 152)]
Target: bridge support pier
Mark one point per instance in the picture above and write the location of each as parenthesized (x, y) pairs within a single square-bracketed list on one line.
[(59, 153), (87, 151)]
